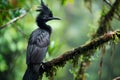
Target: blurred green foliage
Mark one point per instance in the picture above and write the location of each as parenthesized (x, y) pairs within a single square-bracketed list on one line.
[(77, 25)]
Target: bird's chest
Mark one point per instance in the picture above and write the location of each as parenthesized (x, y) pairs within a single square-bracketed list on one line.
[(43, 39)]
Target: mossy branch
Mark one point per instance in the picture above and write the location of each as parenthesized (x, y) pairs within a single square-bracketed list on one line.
[(82, 50)]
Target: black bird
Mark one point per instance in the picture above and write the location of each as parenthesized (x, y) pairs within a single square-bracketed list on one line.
[(38, 43)]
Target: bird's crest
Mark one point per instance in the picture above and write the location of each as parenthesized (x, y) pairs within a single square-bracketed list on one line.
[(43, 8)]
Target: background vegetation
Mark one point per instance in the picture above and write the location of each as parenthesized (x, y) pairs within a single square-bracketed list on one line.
[(79, 21)]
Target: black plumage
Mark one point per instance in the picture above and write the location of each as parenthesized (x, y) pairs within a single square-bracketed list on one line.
[(38, 43)]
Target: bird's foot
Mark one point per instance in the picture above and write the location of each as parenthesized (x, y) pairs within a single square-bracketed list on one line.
[(42, 65), (42, 68)]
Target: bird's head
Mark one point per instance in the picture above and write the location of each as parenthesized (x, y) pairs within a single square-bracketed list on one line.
[(45, 13)]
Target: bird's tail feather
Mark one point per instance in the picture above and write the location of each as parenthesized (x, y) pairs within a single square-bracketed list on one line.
[(30, 75)]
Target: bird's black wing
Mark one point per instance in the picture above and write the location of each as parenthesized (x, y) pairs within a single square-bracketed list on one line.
[(37, 46)]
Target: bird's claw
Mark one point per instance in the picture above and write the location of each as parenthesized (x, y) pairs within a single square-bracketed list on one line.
[(43, 66)]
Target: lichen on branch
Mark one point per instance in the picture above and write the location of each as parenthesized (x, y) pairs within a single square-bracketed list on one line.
[(82, 50)]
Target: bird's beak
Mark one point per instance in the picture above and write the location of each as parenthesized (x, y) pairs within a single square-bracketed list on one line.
[(54, 18)]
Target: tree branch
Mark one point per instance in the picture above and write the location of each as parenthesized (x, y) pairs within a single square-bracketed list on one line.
[(13, 20), (104, 25), (107, 2), (82, 50)]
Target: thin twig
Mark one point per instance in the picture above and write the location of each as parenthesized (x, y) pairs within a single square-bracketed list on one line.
[(107, 3), (13, 20)]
